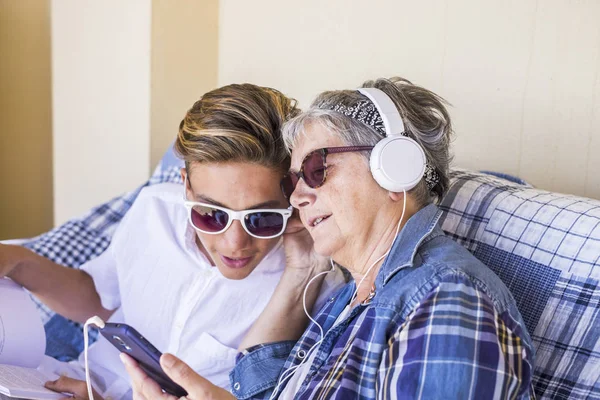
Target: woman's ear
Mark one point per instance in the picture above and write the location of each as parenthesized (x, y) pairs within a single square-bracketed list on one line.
[(397, 196)]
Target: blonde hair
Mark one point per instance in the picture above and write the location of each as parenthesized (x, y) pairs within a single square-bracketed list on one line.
[(240, 122)]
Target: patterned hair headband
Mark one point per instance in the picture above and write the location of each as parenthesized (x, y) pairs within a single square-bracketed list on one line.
[(365, 112)]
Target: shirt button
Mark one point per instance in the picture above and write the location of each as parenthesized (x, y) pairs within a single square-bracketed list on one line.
[(301, 354), (236, 386)]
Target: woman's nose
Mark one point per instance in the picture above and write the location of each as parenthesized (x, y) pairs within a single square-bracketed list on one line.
[(303, 195)]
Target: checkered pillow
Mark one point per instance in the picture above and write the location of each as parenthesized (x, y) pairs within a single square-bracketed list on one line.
[(546, 248)]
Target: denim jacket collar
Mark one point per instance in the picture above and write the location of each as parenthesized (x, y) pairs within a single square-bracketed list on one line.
[(418, 228)]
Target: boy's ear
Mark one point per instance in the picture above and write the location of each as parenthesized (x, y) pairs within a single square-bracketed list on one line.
[(183, 174)]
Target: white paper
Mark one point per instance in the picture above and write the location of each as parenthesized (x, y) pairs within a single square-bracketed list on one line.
[(25, 383), (22, 336)]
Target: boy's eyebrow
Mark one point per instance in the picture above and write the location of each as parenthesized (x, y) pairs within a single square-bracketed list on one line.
[(266, 204)]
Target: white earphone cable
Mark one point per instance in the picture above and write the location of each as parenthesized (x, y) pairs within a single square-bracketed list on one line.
[(304, 296), (288, 373), (95, 320), (386, 253)]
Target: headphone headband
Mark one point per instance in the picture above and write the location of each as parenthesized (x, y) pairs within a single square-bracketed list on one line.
[(392, 121)]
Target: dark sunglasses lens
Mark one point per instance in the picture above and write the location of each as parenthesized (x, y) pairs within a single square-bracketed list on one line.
[(288, 184), (209, 219), (314, 170), (264, 224)]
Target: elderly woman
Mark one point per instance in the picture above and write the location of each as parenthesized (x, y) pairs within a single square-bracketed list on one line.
[(422, 317)]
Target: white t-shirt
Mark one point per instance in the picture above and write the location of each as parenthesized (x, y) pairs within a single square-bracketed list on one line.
[(165, 288)]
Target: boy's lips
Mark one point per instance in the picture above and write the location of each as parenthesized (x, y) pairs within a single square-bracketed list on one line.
[(235, 262)]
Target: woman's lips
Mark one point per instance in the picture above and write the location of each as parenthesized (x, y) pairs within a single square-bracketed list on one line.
[(235, 262), (314, 222)]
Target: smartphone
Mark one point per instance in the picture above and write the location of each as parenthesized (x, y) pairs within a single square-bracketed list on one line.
[(127, 340)]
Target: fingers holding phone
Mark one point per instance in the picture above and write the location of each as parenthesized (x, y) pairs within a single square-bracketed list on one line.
[(197, 387), (128, 340), (143, 387)]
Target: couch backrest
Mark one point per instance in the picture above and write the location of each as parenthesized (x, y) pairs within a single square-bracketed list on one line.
[(546, 248)]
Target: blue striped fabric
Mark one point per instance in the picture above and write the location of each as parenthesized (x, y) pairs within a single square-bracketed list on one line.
[(546, 248)]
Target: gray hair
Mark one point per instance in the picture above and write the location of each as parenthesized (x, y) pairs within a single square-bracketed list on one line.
[(424, 115)]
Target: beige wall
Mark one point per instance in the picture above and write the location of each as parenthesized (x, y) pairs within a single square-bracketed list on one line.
[(523, 76), (25, 119), (125, 74), (184, 64), (101, 101)]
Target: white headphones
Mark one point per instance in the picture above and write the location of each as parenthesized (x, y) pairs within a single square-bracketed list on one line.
[(397, 162)]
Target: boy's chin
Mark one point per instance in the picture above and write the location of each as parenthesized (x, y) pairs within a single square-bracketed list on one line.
[(236, 274)]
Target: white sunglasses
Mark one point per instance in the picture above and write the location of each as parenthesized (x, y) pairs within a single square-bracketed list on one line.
[(264, 223)]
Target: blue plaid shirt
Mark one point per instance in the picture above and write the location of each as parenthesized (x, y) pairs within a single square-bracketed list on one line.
[(441, 326)]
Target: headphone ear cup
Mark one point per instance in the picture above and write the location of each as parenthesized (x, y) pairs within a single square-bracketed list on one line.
[(397, 163)]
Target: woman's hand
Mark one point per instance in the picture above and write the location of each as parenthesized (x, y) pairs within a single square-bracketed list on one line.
[(73, 386), (198, 388)]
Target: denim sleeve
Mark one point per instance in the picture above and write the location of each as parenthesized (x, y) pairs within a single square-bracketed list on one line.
[(258, 368)]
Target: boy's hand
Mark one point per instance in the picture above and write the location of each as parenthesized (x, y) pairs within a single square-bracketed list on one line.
[(299, 247), (73, 386), (10, 257), (303, 264)]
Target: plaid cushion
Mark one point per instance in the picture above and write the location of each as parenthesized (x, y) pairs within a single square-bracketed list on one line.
[(546, 248)]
